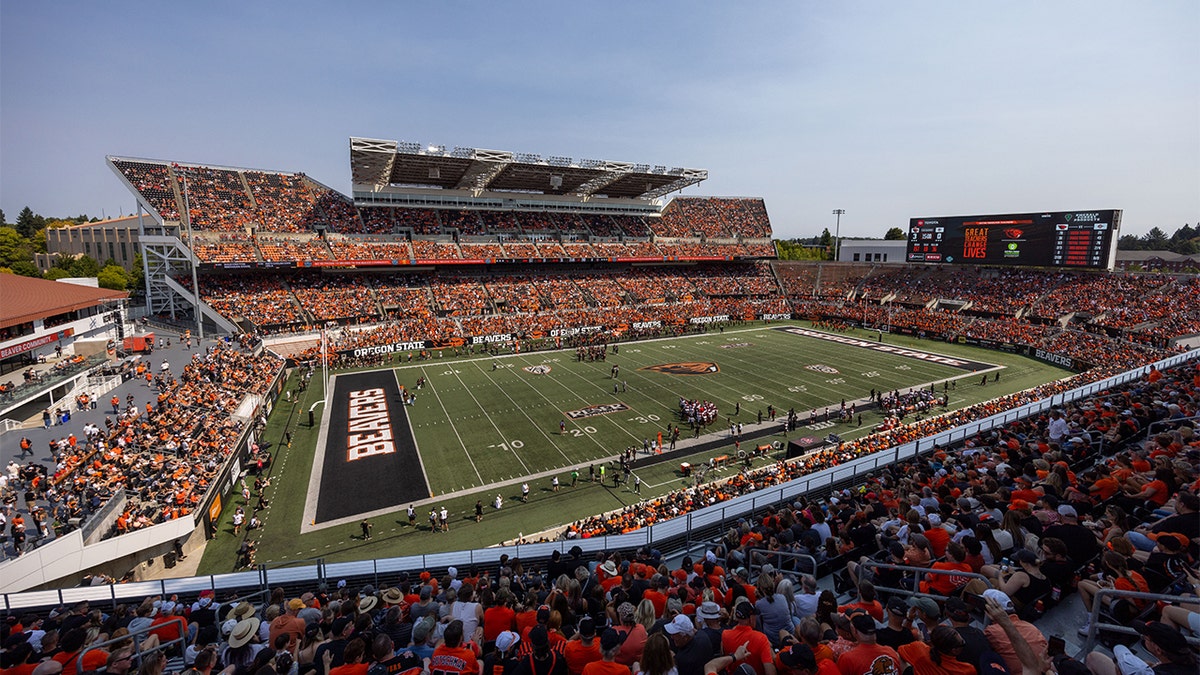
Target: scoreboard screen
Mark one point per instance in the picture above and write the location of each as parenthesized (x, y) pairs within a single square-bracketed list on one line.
[(1085, 239)]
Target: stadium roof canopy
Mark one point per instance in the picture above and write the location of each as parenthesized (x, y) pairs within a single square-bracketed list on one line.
[(378, 165)]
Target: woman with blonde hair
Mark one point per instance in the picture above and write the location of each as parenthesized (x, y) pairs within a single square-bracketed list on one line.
[(645, 614)]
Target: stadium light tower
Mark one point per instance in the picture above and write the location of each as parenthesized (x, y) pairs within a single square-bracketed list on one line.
[(837, 236)]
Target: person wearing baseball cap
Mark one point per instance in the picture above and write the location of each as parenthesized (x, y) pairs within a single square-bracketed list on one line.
[(289, 623), (867, 657), (976, 643), (760, 657), (998, 638), (798, 659), (1164, 643), (610, 644), (1081, 542), (583, 647), (693, 648), (503, 657), (899, 630)]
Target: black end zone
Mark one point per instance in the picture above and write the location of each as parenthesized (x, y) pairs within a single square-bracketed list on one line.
[(371, 461)]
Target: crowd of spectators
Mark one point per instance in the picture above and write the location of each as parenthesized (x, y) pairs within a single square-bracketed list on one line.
[(1032, 507), (420, 221), (425, 249), (163, 455), (467, 223), (282, 199), (1093, 294), (332, 299), (155, 183), (333, 210), (225, 248), (369, 248), (261, 298), (713, 217), (218, 200), (279, 248)]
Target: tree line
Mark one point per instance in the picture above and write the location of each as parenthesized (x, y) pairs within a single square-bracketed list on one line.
[(1185, 240), (20, 241)]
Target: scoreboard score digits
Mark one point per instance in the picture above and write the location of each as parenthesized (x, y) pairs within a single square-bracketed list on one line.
[(1049, 239)]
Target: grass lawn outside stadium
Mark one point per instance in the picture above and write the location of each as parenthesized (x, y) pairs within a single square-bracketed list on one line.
[(484, 425)]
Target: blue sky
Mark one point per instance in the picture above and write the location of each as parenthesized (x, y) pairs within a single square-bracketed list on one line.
[(888, 110)]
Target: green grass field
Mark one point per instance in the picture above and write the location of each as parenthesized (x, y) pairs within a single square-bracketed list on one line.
[(482, 421)]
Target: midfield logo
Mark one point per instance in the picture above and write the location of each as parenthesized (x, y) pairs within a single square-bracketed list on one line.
[(822, 368), (685, 368), (537, 370)]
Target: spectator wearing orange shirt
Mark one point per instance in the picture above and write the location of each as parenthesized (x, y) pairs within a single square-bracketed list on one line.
[(866, 602), (583, 648), (290, 624), (453, 657)]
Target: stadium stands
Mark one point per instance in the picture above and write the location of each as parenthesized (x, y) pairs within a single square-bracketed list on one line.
[(1027, 485), (1014, 476)]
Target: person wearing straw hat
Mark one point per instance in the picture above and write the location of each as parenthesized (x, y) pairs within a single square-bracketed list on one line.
[(243, 645)]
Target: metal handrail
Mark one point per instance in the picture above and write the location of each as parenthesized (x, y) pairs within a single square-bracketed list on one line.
[(917, 578), (666, 531), (779, 557), (1163, 423), (137, 644), (1094, 624)]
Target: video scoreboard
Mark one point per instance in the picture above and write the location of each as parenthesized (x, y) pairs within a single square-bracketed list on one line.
[(1085, 239)]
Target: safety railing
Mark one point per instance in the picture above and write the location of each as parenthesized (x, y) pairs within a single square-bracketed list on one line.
[(776, 559), (661, 534), (919, 576), (138, 653), (1098, 604)]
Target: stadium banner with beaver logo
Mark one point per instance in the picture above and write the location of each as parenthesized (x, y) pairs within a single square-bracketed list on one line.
[(685, 368), (368, 444)]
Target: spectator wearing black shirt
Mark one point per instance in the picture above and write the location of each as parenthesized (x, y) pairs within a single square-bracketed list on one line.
[(976, 642), (898, 631), (1186, 521), (1082, 544)]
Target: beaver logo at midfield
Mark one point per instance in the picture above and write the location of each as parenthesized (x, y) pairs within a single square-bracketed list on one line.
[(686, 368)]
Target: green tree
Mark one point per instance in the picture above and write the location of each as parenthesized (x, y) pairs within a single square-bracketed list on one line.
[(28, 222), (826, 238), (113, 277), (1129, 242), (795, 250), (55, 273), (15, 253), (84, 266), (3, 222), (137, 278), (894, 234), (1155, 240)]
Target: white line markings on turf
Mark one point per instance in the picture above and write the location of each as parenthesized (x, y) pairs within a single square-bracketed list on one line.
[(433, 388), (498, 432)]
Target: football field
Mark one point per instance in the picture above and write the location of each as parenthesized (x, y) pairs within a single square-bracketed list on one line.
[(482, 421), (481, 426)]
